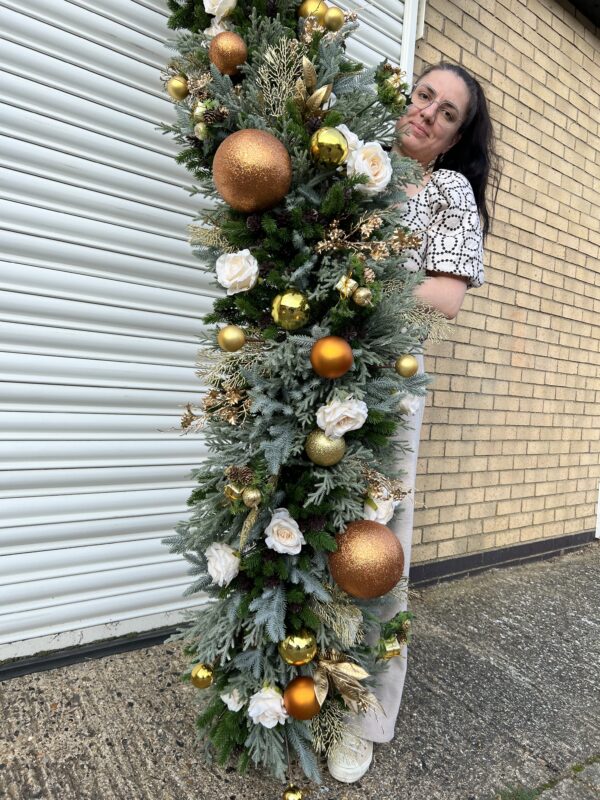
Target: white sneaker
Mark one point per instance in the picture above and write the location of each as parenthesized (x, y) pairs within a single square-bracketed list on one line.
[(350, 759)]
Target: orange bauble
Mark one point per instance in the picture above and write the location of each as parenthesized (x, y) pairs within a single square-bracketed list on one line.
[(331, 357), (369, 560), (227, 51), (299, 698)]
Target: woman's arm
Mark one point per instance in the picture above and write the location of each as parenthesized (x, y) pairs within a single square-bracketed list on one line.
[(443, 292)]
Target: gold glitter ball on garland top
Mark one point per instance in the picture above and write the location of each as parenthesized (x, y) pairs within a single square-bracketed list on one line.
[(298, 648), (202, 676), (252, 170), (251, 497), (231, 338), (290, 310), (300, 699), (406, 366), (329, 146), (323, 451), (313, 8), (331, 357), (369, 560), (227, 52), (177, 87), (292, 793), (333, 19)]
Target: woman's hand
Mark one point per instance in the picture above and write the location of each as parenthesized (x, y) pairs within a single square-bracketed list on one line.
[(443, 291)]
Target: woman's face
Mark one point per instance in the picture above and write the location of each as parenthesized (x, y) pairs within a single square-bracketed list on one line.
[(431, 124)]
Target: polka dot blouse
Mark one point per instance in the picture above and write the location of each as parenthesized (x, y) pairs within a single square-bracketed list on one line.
[(444, 214)]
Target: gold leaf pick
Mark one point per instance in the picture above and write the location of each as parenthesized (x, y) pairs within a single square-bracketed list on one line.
[(318, 98), (247, 526), (321, 685), (309, 74)]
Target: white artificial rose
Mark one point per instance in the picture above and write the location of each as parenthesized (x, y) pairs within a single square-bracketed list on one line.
[(237, 272), (353, 141), (232, 700), (222, 563), (216, 26), (266, 707), (219, 8), (282, 534), (383, 511), (371, 160), (341, 416), (409, 404)]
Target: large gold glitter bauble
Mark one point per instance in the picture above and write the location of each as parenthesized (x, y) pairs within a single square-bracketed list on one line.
[(290, 310), (300, 699), (251, 497), (298, 648), (228, 51), (252, 170), (331, 357), (369, 560), (292, 793), (202, 676), (333, 19), (322, 450), (406, 366), (313, 8), (231, 338), (177, 87), (363, 296), (389, 648), (329, 146)]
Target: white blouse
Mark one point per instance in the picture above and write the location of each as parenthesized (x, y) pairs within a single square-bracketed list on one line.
[(444, 214)]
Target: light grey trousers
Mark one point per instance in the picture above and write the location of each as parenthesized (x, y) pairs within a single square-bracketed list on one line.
[(375, 726)]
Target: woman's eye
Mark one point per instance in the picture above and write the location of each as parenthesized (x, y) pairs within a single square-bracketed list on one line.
[(449, 115)]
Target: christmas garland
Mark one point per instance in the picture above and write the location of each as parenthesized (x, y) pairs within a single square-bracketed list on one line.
[(310, 370)]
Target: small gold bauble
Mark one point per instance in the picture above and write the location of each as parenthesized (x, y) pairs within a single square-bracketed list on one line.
[(290, 310), (200, 130), (231, 338), (331, 357), (322, 450), (202, 676), (198, 111), (389, 648), (292, 793), (313, 8), (177, 87), (228, 51), (251, 497), (406, 366), (333, 19), (329, 146), (298, 648), (300, 699), (368, 561), (233, 492), (363, 296), (252, 170)]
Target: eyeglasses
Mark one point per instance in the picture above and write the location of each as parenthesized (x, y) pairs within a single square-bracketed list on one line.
[(423, 97)]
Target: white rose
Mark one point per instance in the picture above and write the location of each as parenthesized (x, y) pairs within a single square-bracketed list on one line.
[(282, 534), (222, 563), (237, 272), (353, 141), (266, 707), (409, 404), (383, 511), (371, 160), (232, 700), (219, 8), (216, 26), (341, 416)]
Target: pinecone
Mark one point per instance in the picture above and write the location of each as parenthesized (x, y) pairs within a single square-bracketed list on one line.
[(241, 475), (316, 523), (369, 275), (253, 222), (312, 215), (271, 8), (212, 115), (313, 124), (265, 268), (282, 218)]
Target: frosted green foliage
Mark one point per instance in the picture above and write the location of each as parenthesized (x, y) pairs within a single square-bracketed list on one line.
[(270, 611), (266, 747), (311, 584), (300, 740), (363, 81)]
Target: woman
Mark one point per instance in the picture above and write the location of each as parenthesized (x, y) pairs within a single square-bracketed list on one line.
[(447, 129)]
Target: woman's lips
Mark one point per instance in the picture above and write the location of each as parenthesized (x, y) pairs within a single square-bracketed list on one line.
[(419, 129)]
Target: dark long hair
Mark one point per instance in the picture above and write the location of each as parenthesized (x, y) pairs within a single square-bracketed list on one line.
[(474, 155)]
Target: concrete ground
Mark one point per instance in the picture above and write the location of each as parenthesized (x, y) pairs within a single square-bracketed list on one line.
[(503, 690)]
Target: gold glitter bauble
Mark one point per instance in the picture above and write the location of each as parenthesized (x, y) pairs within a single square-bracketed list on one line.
[(231, 338), (290, 310), (300, 699), (177, 87), (202, 676), (298, 648), (313, 8), (292, 793), (333, 19), (389, 648), (329, 146), (228, 51), (252, 170), (363, 296), (331, 357), (251, 497), (369, 560), (322, 450), (406, 366)]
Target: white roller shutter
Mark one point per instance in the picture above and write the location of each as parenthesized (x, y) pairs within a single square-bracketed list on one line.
[(100, 300)]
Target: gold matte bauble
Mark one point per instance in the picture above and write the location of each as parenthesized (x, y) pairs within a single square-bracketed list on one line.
[(300, 699), (292, 793), (231, 338), (233, 492), (290, 310), (363, 296), (333, 19), (202, 676), (368, 561), (322, 450), (331, 357), (313, 8), (251, 497), (228, 51), (177, 87), (406, 366), (329, 146), (252, 170), (389, 648), (298, 648)]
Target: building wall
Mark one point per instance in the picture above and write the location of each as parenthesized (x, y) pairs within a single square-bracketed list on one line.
[(510, 448)]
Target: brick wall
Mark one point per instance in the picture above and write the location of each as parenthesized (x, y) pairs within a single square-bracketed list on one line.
[(510, 449)]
